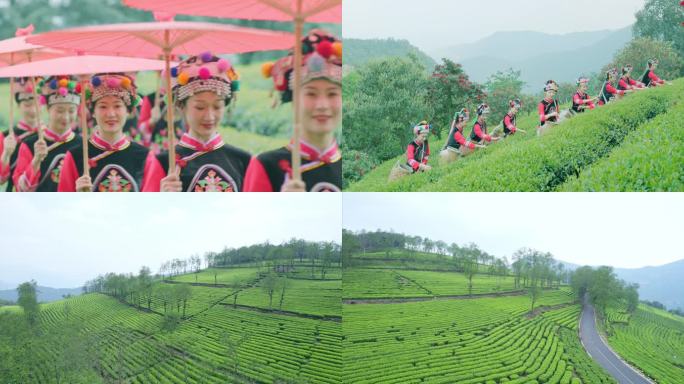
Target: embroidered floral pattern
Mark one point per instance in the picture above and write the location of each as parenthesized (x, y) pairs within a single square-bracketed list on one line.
[(54, 175), (114, 182), (213, 183)]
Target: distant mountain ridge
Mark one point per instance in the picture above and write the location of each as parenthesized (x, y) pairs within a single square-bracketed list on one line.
[(360, 51), (664, 283), (539, 56), (45, 294)]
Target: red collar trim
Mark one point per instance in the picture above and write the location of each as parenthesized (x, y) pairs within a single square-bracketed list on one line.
[(52, 136), (26, 127), (213, 144), (103, 144), (309, 152)]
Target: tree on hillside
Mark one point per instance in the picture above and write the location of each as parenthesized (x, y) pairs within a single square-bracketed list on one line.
[(233, 345), (639, 51), (661, 20), (182, 293), (28, 301), (449, 90), (166, 294), (269, 285), (390, 97), (502, 87), (469, 270), (282, 285), (631, 294)]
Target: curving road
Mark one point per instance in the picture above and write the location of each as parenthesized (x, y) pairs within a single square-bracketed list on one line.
[(602, 354)]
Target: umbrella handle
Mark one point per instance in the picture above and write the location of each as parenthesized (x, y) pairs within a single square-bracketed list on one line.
[(11, 108), (170, 128), (35, 97), (84, 128), (296, 157)]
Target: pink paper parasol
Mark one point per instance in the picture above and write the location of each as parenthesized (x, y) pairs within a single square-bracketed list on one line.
[(298, 11), (317, 11), (165, 38), (17, 50), (81, 65)]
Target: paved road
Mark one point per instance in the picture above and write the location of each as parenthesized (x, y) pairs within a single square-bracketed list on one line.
[(600, 352)]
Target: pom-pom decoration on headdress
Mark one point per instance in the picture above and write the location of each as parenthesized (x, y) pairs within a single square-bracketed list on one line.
[(204, 73), (582, 80), (23, 88), (112, 84), (60, 89), (551, 86), (422, 127), (482, 109), (322, 60)]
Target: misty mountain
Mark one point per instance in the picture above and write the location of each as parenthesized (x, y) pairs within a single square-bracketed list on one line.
[(45, 294), (360, 51), (539, 56), (664, 283)]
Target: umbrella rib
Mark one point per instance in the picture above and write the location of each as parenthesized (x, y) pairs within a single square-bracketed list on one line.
[(325, 5), (278, 6), (184, 39), (148, 38)]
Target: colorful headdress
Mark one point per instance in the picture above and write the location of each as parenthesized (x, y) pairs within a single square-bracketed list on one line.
[(652, 61), (582, 80), (23, 88), (482, 109), (515, 103), (421, 127), (462, 114), (611, 73), (204, 73), (113, 84), (322, 60), (551, 86), (627, 69), (60, 89)]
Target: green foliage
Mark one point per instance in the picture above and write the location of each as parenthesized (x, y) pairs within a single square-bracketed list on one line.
[(388, 98), (449, 90), (358, 52), (653, 153), (28, 301), (530, 163), (457, 341), (355, 165), (586, 368), (653, 341), (502, 87), (640, 50), (661, 20)]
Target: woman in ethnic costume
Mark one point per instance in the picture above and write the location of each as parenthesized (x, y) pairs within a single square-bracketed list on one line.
[(321, 103), (26, 127), (203, 87), (115, 163), (40, 161)]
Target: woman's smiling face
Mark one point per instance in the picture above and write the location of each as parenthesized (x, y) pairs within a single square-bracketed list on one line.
[(203, 114), (110, 113)]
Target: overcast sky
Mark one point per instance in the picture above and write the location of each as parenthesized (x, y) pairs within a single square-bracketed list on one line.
[(62, 240), (627, 230), (431, 24)]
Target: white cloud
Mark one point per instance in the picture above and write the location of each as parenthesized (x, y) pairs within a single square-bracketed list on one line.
[(626, 230), (61, 240), (439, 23)]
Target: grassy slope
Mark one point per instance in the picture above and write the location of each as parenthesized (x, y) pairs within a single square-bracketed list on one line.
[(466, 341), (653, 340), (653, 153), (299, 348), (513, 165)]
